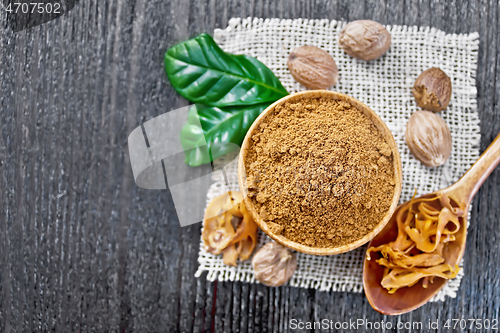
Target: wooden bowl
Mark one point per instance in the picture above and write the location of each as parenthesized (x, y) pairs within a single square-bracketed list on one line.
[(381, 126)]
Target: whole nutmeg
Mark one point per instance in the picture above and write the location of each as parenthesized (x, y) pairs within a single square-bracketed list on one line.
[(432, 90), (365, 39), (313, 67), (274, 264), (428, 138)]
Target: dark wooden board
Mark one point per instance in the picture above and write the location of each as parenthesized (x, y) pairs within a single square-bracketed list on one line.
[(82, 248)]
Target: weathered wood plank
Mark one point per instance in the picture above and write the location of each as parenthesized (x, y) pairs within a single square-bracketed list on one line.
[(377, 10), (93, 252), (411, 12), (324, 9)]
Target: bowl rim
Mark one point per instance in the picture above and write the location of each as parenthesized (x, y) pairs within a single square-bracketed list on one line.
[(381, 126)]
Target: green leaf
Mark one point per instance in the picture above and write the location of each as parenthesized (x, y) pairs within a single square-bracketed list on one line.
[(216, 131), (202, 73)]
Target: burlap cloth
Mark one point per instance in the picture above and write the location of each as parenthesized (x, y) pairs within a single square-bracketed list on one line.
[(384, 85)]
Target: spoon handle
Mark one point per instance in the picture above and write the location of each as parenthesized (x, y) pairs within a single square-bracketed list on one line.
[(465, 189)]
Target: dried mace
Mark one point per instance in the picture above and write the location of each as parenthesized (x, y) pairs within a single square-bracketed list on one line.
[(229, 229), (432, 90)]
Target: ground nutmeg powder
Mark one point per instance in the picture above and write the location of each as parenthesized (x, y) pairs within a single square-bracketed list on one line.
[(319, 172)]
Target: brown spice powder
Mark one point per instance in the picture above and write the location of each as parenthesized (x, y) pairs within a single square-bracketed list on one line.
[(319, 172)]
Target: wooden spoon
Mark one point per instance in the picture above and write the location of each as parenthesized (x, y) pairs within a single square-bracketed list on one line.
[(461, 193)]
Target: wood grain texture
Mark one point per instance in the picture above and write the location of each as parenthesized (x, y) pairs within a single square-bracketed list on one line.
[(84, 249)]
